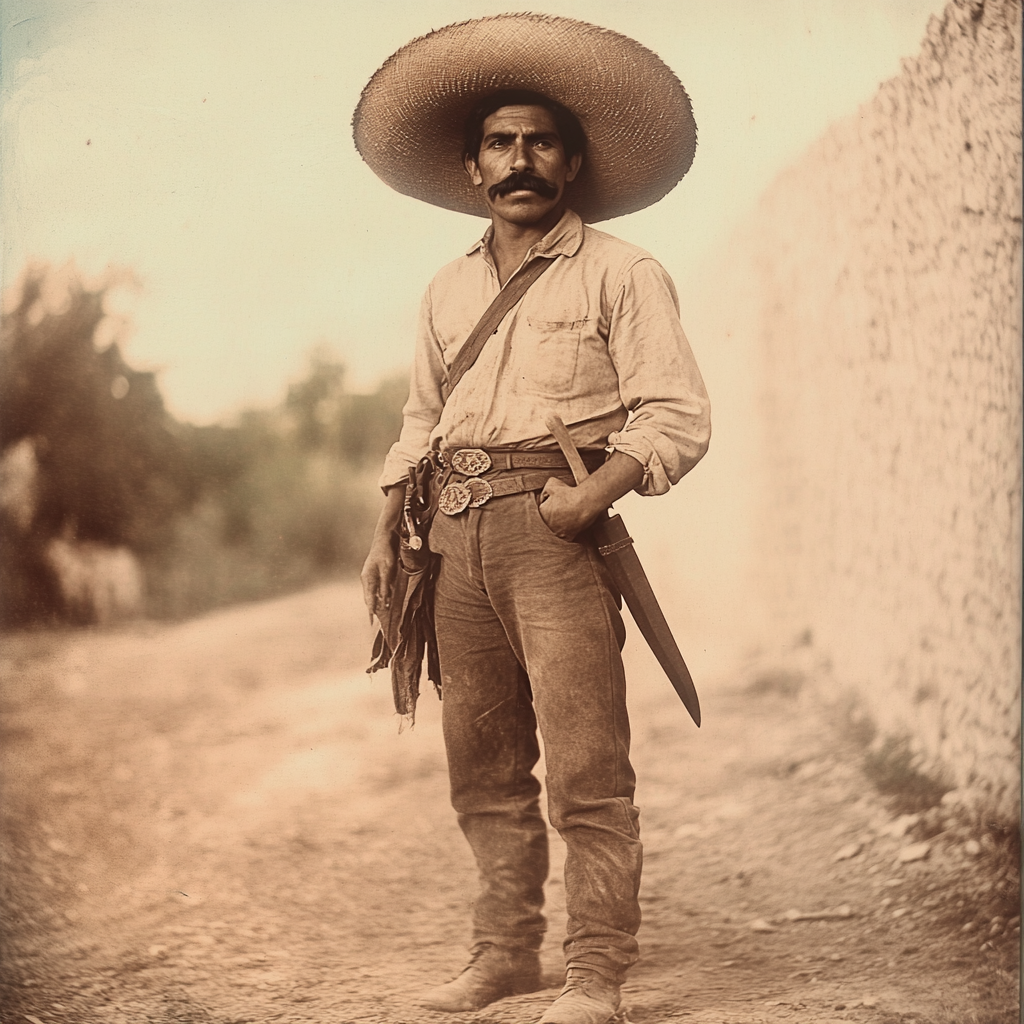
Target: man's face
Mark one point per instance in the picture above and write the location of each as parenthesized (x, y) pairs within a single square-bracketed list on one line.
[(521, 166)]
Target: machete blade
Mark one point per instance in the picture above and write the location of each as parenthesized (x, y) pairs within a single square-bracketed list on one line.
[(616, 547)]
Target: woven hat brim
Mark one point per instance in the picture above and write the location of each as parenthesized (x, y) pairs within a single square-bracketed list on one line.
[(641, 134)]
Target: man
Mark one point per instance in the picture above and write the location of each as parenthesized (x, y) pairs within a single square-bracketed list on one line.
[(528, 628)]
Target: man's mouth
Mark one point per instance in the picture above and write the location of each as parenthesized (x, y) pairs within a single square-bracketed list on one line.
[(523, 181)]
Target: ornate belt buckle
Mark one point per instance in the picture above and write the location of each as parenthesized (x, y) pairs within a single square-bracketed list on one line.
[(481, 491), (471, 461), (454, 498)]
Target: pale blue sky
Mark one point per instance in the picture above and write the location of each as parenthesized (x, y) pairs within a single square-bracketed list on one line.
[(206, 146)]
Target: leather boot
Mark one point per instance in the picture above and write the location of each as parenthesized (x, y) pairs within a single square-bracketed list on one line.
[(492, 973), (588, 998)]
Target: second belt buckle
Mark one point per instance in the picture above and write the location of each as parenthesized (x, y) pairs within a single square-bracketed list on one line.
[(456, 498)]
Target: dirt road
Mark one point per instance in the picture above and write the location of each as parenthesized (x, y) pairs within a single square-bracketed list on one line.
[(219, 822)]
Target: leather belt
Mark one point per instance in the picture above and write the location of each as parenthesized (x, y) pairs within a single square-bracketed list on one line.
[(484, 473), (467, 460), (477, 491), (519, 483)]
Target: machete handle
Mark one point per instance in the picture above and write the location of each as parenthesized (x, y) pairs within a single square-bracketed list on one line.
[(572, 456)]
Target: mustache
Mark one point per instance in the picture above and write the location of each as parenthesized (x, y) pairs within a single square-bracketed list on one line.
[(520, 180)]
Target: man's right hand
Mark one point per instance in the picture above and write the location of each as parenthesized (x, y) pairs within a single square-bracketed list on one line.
[(379, 567), (378, 572)]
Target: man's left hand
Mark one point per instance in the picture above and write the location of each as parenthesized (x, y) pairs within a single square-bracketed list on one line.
[(567, 510), (564, 509)]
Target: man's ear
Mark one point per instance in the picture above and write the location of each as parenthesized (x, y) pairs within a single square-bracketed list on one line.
[(574, 166), (472, 170)]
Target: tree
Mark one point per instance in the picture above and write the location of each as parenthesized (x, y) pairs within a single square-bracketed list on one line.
[(111, 466)]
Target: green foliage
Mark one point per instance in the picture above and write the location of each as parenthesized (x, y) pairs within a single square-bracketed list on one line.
[(284, 524), (111, 467), (357, 429), (104, 462), (272, 502), (287, 495)]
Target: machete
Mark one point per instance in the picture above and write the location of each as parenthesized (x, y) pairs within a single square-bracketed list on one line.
[(616, 547)]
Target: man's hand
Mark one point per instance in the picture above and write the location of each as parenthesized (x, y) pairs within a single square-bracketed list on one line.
[(567, 510), (563, 509), (378, 571), (379, 567)]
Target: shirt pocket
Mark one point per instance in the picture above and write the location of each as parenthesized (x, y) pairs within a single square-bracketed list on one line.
[(549, 353)]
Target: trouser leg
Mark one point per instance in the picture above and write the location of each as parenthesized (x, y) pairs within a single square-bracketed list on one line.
[(490, 733)]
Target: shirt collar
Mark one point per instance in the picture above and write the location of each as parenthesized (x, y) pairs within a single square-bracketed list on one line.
[(564, 239)]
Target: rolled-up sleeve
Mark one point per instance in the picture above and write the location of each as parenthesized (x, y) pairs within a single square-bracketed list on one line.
[(669, 424), (422, 411)]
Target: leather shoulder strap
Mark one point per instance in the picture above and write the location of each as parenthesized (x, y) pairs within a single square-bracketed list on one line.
[(514, 290)]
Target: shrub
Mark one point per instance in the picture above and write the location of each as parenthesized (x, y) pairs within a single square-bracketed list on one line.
[(272, 502)]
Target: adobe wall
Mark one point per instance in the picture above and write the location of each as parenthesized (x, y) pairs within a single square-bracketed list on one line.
[(890, 328)]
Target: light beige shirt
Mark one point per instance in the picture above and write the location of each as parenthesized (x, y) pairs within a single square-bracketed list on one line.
[(596, 339)]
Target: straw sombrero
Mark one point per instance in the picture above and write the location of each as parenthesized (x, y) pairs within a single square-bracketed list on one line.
[(641, 135)]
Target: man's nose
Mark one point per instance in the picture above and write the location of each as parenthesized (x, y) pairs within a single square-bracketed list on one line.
[(522, 158)]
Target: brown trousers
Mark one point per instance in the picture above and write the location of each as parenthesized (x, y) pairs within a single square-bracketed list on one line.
[(529, 635)]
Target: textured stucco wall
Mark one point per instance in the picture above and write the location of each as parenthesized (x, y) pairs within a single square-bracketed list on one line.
[(889, 260)]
